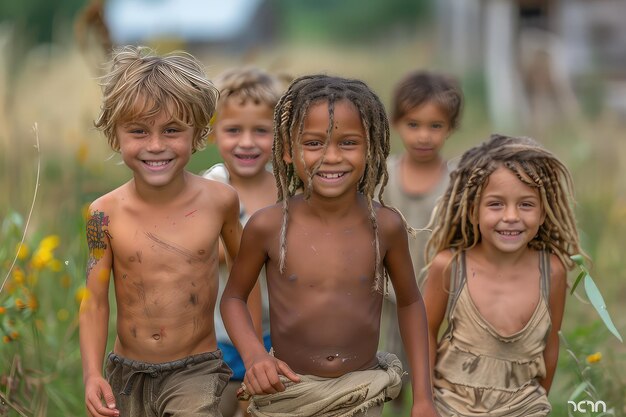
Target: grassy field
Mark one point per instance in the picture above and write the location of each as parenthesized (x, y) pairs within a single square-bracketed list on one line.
[(69, 164)]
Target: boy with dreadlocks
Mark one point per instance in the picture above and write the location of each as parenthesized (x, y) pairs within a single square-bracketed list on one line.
[(497, 259), (327, 251), (243, 132)]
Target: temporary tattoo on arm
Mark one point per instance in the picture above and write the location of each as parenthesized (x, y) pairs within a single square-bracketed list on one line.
[(96, 241)]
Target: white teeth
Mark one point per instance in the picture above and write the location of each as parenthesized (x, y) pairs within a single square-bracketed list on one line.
[(331, 176), (156, 163), (246, 156), (508, 233)]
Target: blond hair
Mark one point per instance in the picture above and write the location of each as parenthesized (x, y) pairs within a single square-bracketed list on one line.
[(141, 84), (454, 222), (289, 116), (248, 83)]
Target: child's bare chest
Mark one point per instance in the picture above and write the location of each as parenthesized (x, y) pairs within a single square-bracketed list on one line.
[(155, 238), (331, 255)]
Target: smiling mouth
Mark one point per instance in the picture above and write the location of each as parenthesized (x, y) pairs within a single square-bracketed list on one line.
[(510, 232), (157, 163), (247, 157), (331, 175)]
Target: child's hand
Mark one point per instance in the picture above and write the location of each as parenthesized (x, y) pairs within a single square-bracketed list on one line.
[(262, 377), (424, 409), (99, 398)]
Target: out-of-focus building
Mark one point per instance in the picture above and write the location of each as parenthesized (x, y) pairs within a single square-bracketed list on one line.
[(233, 25), (537, 55)]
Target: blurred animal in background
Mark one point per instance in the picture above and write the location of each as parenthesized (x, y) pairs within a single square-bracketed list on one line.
[(91, 29)]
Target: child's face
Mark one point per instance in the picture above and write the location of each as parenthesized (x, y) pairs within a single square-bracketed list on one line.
[(509, 213), (244, 135), (156, 150), (424, 130), (344, 157)]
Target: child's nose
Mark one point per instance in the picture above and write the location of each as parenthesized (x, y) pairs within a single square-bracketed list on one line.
[(245, 140), (156, 143), (333, 154), (511, 214)]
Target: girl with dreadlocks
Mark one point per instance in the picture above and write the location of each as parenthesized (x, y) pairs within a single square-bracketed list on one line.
[(502, 235), (327, 247)]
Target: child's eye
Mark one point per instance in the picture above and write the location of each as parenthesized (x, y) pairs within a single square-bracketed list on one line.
[(232, 130), (437, 125), (137, 131), (171, 131), (527, 204), (349, 143), (412, 125), (313, 144), (262, 131)]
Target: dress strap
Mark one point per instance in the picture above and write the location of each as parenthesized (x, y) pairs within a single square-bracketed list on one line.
[(544, 267), (457, 280)]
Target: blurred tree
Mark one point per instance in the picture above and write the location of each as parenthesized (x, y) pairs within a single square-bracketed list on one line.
[(35, 19), (351, 20)]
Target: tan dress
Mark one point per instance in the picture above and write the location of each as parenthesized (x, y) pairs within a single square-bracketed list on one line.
[(416, 209), (479, 372)]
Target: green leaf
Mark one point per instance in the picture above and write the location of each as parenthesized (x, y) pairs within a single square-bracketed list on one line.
[(579, 390), (598, 303), (578, 259), (578, 278)]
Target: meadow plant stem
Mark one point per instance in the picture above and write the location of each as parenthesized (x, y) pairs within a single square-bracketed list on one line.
[(32, 205)]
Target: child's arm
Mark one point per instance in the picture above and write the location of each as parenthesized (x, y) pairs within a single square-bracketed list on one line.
[(436, 290), (262, 370), (558, 289), (94, 316), (411, 316), (229, 249)]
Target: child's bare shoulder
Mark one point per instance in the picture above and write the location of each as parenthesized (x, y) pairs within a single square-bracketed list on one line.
[(558, 272), (218, 191), (110, 200), (390, 222), (266, 220)]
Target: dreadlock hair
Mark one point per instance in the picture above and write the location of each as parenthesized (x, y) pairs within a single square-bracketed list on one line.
[(454, 222), (289, 116), (141, 84)]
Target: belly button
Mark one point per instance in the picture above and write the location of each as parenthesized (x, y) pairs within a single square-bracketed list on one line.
[(331, 357), (156, 336)]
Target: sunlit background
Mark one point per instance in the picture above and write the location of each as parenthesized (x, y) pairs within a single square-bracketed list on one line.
[(554, 70)]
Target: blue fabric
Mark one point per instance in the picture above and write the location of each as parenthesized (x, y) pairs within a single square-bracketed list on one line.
[(234, 361)]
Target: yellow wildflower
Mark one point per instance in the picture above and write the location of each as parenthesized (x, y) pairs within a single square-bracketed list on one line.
[(594, 358), (32, 302), (19, 303), (6, 338), (82, 152), (49, 243), (3, 310), (14, 335), (18, 276), (22, 251), (43, 255), (63, 314), (82, 294)]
